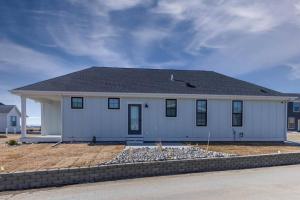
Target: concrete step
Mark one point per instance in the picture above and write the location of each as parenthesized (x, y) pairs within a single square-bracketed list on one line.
[(135, 141)]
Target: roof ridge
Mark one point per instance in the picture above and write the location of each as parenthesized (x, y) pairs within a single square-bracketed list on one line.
[(147, 68)]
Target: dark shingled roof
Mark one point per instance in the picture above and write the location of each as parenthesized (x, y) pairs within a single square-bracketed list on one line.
[(6, 108), (141, 80)]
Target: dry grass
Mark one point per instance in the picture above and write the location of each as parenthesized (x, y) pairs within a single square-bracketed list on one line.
[(294, 136), (44, 156), (252, 148), (257, 148)]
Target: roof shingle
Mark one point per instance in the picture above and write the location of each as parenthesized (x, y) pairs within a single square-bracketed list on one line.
[(141, 80), (6, 108)]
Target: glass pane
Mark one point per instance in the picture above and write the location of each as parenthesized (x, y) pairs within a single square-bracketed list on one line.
[(13, 120), (296, 107), (291, 120), (171, 107), (201, 119), (114, 103), (171, 103), (171, 112), (201, 106), (134, 118), (237, 120), (237, 107), (77, 102)]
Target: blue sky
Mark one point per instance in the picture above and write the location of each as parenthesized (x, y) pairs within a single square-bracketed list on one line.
[(257, 41)]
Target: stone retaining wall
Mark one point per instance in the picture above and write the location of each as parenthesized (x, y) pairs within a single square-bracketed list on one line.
[(59, 177)]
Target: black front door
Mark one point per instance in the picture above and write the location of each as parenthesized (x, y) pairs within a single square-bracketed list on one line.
[(134, 119)]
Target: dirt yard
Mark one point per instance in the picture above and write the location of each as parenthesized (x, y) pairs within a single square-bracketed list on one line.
[(44, 156), (257, 148)]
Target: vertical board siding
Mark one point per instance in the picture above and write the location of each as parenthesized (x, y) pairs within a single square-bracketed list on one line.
[(3, 122), (262, 121), (51, 118)]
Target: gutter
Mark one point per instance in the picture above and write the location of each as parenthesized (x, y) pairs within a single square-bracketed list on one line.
[(32, 93)]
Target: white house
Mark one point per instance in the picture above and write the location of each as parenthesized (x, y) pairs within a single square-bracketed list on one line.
[(123, 104), (9, 118)]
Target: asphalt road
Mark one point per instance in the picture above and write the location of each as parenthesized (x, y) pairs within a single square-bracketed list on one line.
[(264, 183)]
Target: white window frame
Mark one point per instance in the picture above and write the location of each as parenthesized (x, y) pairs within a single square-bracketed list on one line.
[(295, 106), (294, 124)]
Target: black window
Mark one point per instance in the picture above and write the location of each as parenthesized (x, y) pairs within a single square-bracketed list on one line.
[(237, 113), (113, 103), (13, 120), (77, 102), (201, 112), (171, 107)]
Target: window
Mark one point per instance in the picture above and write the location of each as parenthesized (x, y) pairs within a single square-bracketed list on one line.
[(113, 103), (171, 107), (291, 123), (296, 107), (237, 113), (201, 112), (13, 120), (77, 102)]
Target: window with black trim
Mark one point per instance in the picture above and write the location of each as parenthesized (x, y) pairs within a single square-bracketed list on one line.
[(113, 103), (13, 120), (171, 107), (201, 112), (291, 123), (237, 113), (77, 102)]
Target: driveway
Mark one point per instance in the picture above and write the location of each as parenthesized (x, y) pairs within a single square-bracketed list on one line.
[(264, 183)]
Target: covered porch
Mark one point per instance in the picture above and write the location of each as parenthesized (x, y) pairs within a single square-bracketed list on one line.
[(51, 119)]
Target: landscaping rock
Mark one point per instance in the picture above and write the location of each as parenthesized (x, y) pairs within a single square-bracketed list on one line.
[(149, 154)]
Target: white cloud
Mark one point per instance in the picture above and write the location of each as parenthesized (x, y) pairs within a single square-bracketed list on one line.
[(294, 71), (245, 35), (91, 35), (103, 7), (146, 36), (15, 57)]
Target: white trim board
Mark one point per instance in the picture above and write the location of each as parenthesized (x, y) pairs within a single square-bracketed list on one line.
[(30, 93)]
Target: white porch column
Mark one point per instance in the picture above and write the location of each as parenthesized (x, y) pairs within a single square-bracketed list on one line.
[(23, 116)]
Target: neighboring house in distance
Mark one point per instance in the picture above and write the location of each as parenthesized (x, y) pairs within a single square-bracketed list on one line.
[(124, 104), (294, 113), (9, 118)]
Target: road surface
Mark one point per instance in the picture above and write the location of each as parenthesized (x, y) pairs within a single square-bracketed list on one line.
[(264, 183)]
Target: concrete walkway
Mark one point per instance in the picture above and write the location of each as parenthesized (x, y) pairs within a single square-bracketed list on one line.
[(264, 183)]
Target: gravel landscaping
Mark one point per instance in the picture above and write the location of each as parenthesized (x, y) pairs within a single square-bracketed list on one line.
[(148, 154)]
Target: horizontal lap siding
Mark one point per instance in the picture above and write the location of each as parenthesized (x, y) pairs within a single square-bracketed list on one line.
[(263, 120)]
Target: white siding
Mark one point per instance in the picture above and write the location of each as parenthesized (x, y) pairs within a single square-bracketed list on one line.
[(51, 118), (12, 129), (3, 122), (262, 121)]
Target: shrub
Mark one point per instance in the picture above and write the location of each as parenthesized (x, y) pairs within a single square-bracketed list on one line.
[(12, 142)]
